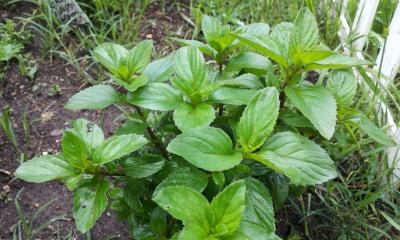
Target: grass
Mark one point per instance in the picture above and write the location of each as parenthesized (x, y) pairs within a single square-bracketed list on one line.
[(354, 206)]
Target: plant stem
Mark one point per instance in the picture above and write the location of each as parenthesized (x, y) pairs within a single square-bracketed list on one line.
[(154, 138)]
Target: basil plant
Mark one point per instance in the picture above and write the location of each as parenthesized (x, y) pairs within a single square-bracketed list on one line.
[(178, 170)]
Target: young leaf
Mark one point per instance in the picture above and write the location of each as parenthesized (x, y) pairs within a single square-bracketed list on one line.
[(257, 29), (187, 116), (247, 80), (143, 166), (132, 83), (232, 96), (96, 97), (183, 203), (204, 48), (258, 119), (300, 159), (304, 35), (138, 57), (117, 147), (343, 86), (156, 96), (193, 232), (90, 133), (74, 150), (227, 208), (269, 47), (317, 104), (249, 61), (336, 61), (259, 210), (43, 169), (216, 34), (185, 177), (160, 70), (90, 201), (110, 55), (207, 148), (190, 68)]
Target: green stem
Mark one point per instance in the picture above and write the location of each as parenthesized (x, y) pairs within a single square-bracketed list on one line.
[(153, 137)]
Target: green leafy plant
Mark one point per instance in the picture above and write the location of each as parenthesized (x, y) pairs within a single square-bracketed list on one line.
[(175, 161)]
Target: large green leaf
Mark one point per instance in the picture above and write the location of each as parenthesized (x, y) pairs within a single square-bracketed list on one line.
[(143, 166), (300, 159), (160, 70), (138, 57), (343, 85), (43, 169), (183, 203), (156, 96), (232, 96), (336, 61), (207, 148), (96, 97), (74, 150), (90, 201), (269, 47), (117, 147), (185, 177), (304, 35), (258, 119), (249, 61), (190, 68), (90, 133), (259, 209), (227, 208), (317, 104), (187, 116)]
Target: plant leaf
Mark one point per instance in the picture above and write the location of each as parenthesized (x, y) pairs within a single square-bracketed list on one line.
[(183, 203), (204, 48), (90, 201), (267, 46), (300, 159), (160, 70), (193, 232), (187, 116), (257, 29), (258, 119), (185, 177), (117, 147), (304, 35), (343, 86), (317, 104), (227, 208), (249, 61), (259, 208), (44, 168), (207, 148), (336, 61), (74, 150), (247, 80), (232, 96), (96, 97), (110, 56), (138, 57), (190, 68), (143, 166), (156, 96), (90, 133)]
